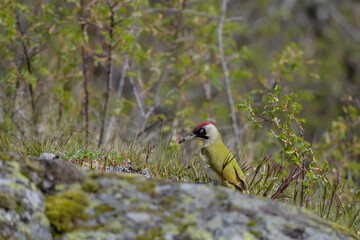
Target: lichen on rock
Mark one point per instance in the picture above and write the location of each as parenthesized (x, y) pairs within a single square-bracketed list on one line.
[(98, 205)]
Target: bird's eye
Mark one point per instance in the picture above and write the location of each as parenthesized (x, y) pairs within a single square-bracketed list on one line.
[(201, 131)]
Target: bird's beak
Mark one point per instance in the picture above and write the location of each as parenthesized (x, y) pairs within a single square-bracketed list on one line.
[(187, 138)]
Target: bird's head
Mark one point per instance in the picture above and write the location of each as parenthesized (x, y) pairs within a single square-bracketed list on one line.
[(207, 132)]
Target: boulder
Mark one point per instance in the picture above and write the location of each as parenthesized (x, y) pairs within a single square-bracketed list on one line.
[(52, 199)]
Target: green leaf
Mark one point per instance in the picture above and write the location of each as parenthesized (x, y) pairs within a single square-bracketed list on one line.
[(353, 112)]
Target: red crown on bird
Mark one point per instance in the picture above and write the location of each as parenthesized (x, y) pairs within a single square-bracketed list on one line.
[(202, 125)]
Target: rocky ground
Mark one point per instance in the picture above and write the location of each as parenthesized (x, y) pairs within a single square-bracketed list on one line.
[(52, 199)]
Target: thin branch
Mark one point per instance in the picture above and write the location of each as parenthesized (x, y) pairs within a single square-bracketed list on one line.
[(124, 70), (169, 93), (137, 97), (225, 70), (152, 108)]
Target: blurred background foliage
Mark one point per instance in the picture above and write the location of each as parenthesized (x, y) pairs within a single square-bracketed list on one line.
[(150, 70)]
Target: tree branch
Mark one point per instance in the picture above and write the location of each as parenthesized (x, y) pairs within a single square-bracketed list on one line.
[(137, 97), (169, 93), (225, 70), (109, 73)]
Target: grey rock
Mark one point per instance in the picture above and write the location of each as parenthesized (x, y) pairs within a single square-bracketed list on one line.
[(124, 206), (128, 169), (138, 217), (146, 173), (21, 205), (47, 156), (92, 235)]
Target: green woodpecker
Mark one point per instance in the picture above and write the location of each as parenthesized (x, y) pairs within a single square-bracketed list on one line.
[(216, 160)]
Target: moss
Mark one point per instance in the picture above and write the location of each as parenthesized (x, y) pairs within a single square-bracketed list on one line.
[(169, 201), (179, 214), (103, 208), (148, 187), (5, 157), (34, 165), (113, 227), (344, 229), (8, 202), (257, 234), (197, 233), (153, 233), (251, 224), (221, 196), (40, 216), (187, 199), (170, 229), (60, 187), (190, 219), (98, 174), (90, 185), (64, 209), (248, 236)]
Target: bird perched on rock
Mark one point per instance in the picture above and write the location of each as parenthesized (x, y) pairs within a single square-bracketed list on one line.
[(216, 160)]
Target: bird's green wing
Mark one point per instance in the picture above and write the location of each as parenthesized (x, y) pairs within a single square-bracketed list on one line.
[(233, 174), (241, 178)]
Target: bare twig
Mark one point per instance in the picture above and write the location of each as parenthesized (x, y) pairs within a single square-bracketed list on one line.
[(225, 70), (109, 73)]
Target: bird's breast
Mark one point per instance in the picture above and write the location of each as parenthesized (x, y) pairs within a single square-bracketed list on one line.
[(206, 166)]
